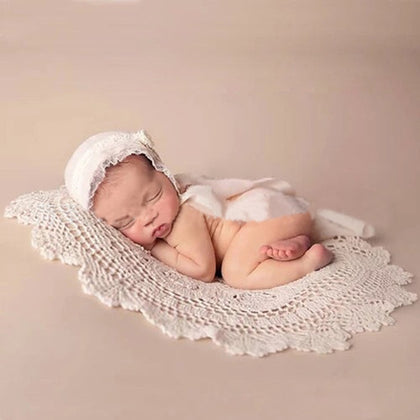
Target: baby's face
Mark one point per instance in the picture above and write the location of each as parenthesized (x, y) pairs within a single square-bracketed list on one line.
[(142, 203)]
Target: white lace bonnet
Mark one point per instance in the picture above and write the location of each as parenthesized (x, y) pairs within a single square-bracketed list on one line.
[(85, 169)]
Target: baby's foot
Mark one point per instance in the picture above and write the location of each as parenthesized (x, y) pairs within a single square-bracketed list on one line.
[(317, 256), (287, 249)]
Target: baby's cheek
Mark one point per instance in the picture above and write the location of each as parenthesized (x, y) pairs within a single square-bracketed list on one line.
[(134, 236), (173, 203)]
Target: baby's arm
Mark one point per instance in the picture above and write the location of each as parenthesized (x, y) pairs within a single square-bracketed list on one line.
[(188, 248), (185, 265)]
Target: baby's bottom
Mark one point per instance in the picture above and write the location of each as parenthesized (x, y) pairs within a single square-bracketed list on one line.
[(245, 267)]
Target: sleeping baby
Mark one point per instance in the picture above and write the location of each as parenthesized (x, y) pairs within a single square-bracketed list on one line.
[(121, 179)]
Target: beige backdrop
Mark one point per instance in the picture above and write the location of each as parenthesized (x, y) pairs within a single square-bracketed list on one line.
[(324, 94)]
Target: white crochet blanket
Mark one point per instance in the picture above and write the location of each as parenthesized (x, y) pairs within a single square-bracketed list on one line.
[(319, 312)]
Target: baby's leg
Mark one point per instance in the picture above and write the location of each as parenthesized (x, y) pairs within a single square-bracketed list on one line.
[(287, 237), (243, 267), (271, 273), (287, 249)]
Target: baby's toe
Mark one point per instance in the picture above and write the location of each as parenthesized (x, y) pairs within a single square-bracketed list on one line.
[(264, 249)]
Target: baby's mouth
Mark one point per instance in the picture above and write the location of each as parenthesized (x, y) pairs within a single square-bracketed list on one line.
[(161, 230)]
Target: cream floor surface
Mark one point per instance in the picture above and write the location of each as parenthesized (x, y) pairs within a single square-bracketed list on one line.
[(324, 94)]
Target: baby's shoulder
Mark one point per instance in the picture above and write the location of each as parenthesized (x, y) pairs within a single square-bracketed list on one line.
[(188, 219), (190, 211), (189, 225)]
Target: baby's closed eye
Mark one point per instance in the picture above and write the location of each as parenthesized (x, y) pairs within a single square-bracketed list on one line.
[(155, 195), (125, 226)]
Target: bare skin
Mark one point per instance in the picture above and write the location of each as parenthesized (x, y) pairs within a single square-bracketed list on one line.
[(287, 249), (250, 255)]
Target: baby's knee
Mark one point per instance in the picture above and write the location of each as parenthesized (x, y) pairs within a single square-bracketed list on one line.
[(235, 279), (303, 221), (249, 280), (302, 217), (235, 273)]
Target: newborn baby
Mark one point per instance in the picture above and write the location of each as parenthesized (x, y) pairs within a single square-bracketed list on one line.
[(143, 204)]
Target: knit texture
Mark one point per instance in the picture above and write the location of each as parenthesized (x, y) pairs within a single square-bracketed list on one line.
[(319, 312)]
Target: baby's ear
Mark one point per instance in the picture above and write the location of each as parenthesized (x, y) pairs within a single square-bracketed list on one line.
[(145, 138)]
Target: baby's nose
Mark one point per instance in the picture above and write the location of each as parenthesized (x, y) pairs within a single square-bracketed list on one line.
[(149, 216)]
